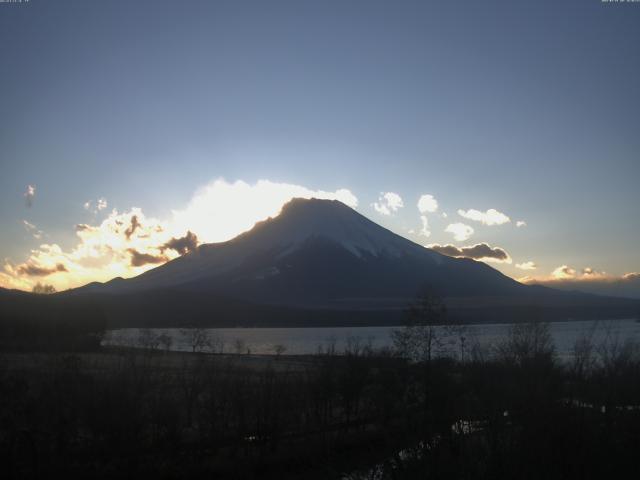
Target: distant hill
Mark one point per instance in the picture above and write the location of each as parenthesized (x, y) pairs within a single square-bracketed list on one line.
[(627, 286), (33, 322)]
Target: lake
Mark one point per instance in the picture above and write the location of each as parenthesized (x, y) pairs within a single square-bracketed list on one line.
[(301, 341)]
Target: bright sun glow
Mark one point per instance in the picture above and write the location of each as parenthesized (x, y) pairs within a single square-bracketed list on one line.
[(128, 243)]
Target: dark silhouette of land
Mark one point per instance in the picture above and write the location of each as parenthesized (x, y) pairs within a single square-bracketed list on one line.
[(147, 414), (321, 263), (72, 409)]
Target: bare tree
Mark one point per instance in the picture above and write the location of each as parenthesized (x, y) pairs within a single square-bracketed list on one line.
[(418, 339), (166, 341), (526, 343), (279, 349), (217, 344), (330, 348), (239, 345), (584, 359), (615, 353), (354, 346), (148, 339), (197, 338)]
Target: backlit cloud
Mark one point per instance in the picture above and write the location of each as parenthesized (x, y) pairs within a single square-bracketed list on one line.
[(39, 271), (128, 243), (590, 281), (427, 204), (222, 210), (139, 259), (388, 203), (182, 245), (490, 217), (590, 273), (480, 251), (29, 195), (133, 226), (563, 272), (460, 231), (526, 265)]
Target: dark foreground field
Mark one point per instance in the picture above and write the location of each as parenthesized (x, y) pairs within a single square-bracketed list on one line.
[(361, 414)]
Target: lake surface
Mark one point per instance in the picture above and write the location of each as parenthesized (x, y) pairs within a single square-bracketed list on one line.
[(301, 341)]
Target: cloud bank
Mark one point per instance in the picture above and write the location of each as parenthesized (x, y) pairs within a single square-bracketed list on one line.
[(589, 280)]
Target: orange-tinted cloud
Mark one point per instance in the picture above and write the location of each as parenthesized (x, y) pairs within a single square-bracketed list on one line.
[(128, 243), (139, 259), (39, 271), (589, 280)]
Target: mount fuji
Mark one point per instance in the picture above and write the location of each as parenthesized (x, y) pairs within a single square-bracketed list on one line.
[(320, 262)]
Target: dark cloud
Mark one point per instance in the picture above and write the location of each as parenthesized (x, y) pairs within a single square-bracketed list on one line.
[(81, 227), (448, 250), (36, 271), (480, 251), (132, 228), (182, 245), (139, 259)]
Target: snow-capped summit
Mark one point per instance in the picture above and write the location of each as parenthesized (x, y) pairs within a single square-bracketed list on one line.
[(303, 219), (318, 252)]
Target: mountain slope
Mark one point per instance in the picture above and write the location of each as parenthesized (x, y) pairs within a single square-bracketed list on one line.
[(320, 253), (321, 263)]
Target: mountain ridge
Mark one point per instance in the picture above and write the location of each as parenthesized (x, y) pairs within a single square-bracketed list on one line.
[(322, 263), (322, 228)]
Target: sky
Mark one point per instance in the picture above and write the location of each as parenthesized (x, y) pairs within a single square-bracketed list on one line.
[(454, 124)]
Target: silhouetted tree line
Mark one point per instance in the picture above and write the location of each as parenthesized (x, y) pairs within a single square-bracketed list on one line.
[(37, 322), (513, 412), (518, 413)]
